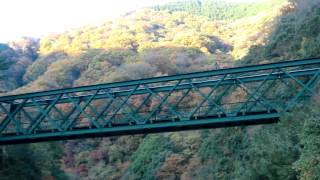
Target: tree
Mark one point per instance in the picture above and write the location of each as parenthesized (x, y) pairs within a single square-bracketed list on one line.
[(148, 157), (308, 164), (3, 63)]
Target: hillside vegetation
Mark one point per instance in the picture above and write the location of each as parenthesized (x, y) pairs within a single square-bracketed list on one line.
[(166, 40), (219, 9)]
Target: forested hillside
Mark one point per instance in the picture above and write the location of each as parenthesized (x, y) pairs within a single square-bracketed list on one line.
[(15, 57), (219, 9), (164, 43), (176, 38)]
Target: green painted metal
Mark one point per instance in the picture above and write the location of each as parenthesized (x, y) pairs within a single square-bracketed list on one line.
[(218, 98)]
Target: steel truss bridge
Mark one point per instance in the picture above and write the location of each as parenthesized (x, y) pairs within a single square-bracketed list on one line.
[(246, 95)]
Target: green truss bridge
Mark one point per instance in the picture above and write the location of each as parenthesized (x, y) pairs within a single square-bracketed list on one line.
[(218, 98)]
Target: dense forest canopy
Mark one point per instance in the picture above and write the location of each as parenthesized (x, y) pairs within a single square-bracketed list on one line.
[(179, 37), (219, 9)]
